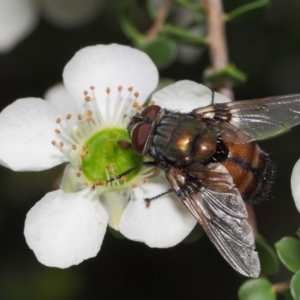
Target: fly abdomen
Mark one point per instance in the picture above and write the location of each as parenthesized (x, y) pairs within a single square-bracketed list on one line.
[(251, 170)]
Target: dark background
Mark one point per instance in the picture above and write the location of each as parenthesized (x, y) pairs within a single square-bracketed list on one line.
[(267, 49)]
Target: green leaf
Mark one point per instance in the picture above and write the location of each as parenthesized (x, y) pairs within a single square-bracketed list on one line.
[(161, 50), (287, 295), (230, 74), (248, 11), (256, 289), (267, 256), (298, 233), (195, 235), (288, 250), (295, 286), (126, 25), (191, 5), (183, 36)]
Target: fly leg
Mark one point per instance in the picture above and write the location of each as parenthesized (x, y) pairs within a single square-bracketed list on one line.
[(143, 163), (148, 200)]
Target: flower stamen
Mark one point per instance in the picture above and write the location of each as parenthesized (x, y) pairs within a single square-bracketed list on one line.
[(102, 135)]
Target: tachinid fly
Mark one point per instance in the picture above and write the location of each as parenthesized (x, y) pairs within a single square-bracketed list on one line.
[(214, 166)]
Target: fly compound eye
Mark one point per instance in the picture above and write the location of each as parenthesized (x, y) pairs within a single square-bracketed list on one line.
[(139, 137), (151, 112)]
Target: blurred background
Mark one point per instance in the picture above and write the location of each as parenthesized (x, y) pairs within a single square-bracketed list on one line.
[(267, 49)]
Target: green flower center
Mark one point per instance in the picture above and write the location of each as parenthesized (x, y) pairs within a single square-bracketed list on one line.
[(103, 150)]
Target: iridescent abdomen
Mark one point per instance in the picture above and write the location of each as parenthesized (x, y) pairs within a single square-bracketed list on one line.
[(250, 168)]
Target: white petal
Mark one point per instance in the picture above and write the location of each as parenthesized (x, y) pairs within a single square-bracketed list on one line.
[(58, 96), (164, 224), (112, 66), (65, 229), (186, 95), (71, 13), (70, 182), (115, 204), (295, 184), (26, 131), (17, 19)]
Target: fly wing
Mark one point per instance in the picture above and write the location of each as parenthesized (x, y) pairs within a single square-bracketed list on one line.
[(258, 119), (212, 198)]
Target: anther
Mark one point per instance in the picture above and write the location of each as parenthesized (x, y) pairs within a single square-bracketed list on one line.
[(130, 89), (135, 105), (61, 144), (92, 87), (152, 102), (123, 178), (78, 174), (79, 117), (136, 94), (134, 186), (107, 90), (79, 167), (53, 143), (154, 171), (85, 184), (58, 120), (85, 93), (89, 119), (145, 180), (120, 88), (74, 147), (57, 130), (81, 156), (89, 112), (87, 99), (69, 116)]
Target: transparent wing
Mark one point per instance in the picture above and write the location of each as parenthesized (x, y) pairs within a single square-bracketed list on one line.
[(217, 205), (258, 119)]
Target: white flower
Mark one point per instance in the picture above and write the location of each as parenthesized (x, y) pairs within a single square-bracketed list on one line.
[(81, 125), (295, 184), (18, 18)]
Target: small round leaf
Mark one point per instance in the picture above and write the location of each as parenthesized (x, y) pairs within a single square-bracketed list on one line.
[(268, 259), (288, 250), (295, 285), (256, 289), (230, 74), (161, 50)]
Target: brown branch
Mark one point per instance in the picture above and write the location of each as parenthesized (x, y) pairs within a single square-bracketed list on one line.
[(159, 21), (280, 287), (217, 40), (219, 60)]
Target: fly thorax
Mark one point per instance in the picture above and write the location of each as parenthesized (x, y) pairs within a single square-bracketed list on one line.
[(205, 145), (175, 136)]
